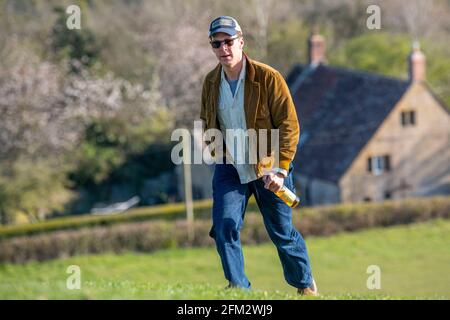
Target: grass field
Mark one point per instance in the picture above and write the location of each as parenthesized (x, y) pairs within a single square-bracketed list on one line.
[(414, 262)]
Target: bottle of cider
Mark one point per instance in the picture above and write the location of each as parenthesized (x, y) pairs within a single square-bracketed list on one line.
[(288, 197)]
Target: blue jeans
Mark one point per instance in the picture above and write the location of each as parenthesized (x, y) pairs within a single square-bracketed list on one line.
[(230, 199)]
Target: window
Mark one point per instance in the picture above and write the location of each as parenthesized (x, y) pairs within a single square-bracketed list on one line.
[(307, 199), (379, 164), (305, 193), (387, 195), (408, 118)]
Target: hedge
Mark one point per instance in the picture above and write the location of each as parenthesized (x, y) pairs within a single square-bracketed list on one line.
[(202, 209), (160, 234)]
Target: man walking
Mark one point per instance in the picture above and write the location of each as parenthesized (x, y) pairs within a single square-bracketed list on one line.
[(241, 93)]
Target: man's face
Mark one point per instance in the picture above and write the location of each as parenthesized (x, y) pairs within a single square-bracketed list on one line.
[(228, 55)]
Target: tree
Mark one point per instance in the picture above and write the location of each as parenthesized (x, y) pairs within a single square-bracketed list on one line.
[(33, 188), (387, 54), (45, 112), (80, 47)]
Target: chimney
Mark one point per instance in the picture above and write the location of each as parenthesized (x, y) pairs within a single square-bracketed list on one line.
[(316, 48), (417, 64)]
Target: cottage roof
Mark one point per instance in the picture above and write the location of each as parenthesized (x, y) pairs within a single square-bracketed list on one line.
[(339, 110)]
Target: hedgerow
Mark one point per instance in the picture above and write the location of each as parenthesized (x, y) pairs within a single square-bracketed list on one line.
[(158, 234)]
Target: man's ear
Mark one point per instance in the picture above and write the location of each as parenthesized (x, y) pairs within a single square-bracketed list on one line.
[(242, 42)]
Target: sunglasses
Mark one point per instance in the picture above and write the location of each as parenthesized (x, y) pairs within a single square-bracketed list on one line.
[(229, 42)]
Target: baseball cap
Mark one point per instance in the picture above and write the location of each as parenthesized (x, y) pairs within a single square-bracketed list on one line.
[(226, 24)]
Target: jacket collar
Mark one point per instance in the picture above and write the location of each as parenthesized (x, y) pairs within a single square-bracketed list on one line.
[(251, 92)]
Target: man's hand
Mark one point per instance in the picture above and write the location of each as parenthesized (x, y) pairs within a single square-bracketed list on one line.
[(273, 182)]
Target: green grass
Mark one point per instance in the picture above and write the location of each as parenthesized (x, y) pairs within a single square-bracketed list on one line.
[(414, 262)]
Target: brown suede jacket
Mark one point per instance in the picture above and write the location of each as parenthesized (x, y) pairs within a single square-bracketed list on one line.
[(268, 105)]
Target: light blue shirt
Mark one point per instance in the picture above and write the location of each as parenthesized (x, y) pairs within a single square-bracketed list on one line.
[(231, 115)]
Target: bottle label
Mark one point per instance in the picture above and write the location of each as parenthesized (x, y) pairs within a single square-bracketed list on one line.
[(287, 196)]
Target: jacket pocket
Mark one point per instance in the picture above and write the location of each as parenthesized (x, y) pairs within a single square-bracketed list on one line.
[(262, 120), (262, 111)]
